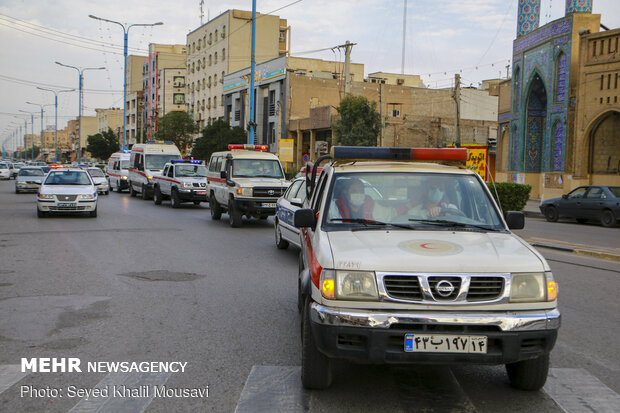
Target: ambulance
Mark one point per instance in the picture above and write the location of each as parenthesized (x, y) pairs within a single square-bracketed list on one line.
[(407, 259), (118, 170), (147, 159)]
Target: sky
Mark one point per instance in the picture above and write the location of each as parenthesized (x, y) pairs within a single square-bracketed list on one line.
[(443, 37)]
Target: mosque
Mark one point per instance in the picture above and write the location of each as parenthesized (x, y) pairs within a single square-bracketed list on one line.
[(560, 125)]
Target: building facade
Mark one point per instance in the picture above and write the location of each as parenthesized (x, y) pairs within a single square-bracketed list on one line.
[(222, 46), (134, 104), (161, 57), (560, 80), (110, 118)]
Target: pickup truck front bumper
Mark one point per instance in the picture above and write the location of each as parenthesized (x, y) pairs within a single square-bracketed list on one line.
[(258, 206), (193, 194), (377, 337)]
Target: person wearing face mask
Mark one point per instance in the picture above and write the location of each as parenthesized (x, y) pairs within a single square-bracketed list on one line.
[(354, 203), (435, 201)]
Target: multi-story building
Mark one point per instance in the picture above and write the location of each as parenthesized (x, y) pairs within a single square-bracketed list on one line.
[(133, 102), (89, 127), (161, 57), (222, 46), (171, 90), (49, 143), (110, 118)]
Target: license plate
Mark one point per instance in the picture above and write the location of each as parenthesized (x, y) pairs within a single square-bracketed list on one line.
[(65, 204), (201, 192), (269, 205), (445, 343)]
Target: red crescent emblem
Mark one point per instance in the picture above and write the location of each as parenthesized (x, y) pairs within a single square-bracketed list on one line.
[(425, 246)]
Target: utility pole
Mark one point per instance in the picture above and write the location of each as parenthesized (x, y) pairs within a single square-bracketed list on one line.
[(56, 92), (347, 67), (31, 132), (402, 65), (457, 100), (507, 71), (252, 68)]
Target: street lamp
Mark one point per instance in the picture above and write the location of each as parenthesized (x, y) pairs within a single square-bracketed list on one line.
[(125, 33), (81, 79), (41, 106), (55, 92), (31, 131), (24, 134)]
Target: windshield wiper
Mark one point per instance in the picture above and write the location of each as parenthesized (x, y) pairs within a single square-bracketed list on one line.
[(368, 222), (452, 224)]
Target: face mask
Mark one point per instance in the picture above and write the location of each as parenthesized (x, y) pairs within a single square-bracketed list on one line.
[(435, 195), (357, 199)]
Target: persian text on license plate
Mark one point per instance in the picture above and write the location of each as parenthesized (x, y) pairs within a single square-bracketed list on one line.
[(269, 205), (445, 343), (66, 205)]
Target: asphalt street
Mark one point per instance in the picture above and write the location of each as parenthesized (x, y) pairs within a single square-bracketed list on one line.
[(150, 283)]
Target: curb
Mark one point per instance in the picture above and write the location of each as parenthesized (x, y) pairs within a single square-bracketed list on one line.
[(579, 251), (533, 214)]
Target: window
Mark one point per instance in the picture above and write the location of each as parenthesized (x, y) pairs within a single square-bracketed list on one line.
[(223, 32), (223, 54), (210, 60), (602, 81), (210, 38), (209, 81), (204, 60), (209, 103), (215, 58), (222, 78), (594, 48), (216, 35), (595, 193), (214, 102), (577, 193), (194, 47), (282, 36), (214, 79)]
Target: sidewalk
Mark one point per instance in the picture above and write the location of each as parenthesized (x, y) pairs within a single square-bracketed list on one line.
[(531, 209)]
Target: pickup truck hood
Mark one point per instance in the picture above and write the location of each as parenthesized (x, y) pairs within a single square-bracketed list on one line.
[(432, 252), (261, 182)]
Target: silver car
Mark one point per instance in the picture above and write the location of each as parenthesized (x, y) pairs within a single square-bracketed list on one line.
[(292, 200), (5, 171), (29, 179), (100, 180), (67, 190)]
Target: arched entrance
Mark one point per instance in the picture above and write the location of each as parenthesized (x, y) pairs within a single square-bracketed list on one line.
[(536, 114), (604, 144)]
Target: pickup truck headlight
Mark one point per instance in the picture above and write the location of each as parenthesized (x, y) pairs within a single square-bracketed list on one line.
[(349, 285), (533, 287), (187, 184), (244, 191)]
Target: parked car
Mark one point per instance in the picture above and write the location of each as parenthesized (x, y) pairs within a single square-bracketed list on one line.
[(590, 202), (29, 179), (287, 204), (5, 171), (100, 180), (67, 190)]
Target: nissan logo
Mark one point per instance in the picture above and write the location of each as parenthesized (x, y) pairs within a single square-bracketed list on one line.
[(444, 288), (271, 192)]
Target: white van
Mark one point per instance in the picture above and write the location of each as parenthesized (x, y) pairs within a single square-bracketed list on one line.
[(118, 171), (145, 160)]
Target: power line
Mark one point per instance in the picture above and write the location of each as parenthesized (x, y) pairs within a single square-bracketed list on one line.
[(32, 83)]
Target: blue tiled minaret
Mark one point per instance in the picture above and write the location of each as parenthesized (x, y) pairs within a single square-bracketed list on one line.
[(578, 6), (529, 16)]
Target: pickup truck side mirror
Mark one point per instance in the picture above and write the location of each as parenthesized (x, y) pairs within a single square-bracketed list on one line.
[(304, 218), (297, 202), (515, 219)]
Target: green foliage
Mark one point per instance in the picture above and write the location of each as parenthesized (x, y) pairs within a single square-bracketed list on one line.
[(178, 127), (216, 137), (29, 152), (512, 197), (102, 145), (359, 123)]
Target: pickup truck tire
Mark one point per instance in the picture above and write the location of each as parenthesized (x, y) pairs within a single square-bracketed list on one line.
[(175, 201), (529, 374), (316, 369), (143, 193), (132, 191), (216, 209), (281, 243), (157, 196), (234, 215)]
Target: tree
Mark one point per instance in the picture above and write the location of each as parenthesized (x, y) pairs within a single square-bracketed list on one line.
[(29, 151), (216, 137), (359, 123), (102, 145), (178, 127)]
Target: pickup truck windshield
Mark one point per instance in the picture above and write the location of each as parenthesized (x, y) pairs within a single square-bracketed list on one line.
[(255, 168), (417, 200), (158, 161), (191, 170)]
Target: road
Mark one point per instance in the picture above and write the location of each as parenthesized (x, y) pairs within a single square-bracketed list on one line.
[(150, 283)]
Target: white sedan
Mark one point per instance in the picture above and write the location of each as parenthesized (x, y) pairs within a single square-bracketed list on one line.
[(100, 180), (5, 170), (67, 190)]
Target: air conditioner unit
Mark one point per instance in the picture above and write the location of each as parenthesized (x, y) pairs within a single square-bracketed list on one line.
[(400, 81)]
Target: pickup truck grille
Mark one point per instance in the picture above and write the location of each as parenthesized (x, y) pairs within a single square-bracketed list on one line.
[(267, 192), (403, 287), (435, 284), (485, 288), (199, 184)]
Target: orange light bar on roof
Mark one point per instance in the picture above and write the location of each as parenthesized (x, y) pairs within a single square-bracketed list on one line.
[(248, 147), (400, 154)]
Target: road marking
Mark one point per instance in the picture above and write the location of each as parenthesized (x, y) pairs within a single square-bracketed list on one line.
[(121, 403), (577, 391), (273, 389), (9, 375)]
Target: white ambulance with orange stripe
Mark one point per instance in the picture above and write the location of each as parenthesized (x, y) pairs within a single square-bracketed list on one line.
[(118, 170), (406, 261), (146, 160)]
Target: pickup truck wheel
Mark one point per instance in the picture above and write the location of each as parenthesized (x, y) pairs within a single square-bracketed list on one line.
[(551, 213), (216, 210), (608, 219), (132, 191), (316, 369), (281, 243), (143, 193), (175, 201), (157, 196), (529, 374), (234, 215)]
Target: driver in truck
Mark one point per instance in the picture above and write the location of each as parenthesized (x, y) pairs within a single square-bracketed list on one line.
[(435, 199)]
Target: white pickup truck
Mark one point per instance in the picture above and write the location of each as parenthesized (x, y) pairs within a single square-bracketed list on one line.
[(181, 181)]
